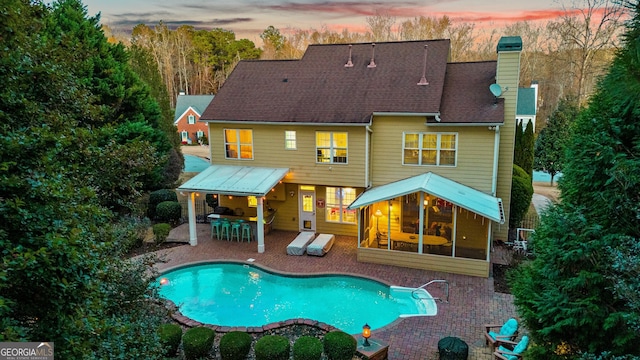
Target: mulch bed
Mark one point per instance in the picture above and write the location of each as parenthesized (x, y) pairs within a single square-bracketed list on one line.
[(500, 284)]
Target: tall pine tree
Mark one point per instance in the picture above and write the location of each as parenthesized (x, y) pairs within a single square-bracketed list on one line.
[(574, 296)]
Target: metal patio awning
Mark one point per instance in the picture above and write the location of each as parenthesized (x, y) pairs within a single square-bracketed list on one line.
[(447, 189), (235, 180)]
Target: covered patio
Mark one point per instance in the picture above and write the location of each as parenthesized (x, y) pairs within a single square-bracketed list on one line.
[(228, 180)]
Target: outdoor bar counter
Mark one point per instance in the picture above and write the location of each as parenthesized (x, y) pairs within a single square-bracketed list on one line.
[(269, 215)]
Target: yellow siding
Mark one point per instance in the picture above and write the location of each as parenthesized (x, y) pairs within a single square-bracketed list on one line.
[(474, 166), (470, 267), (269, 151), (507, 76)]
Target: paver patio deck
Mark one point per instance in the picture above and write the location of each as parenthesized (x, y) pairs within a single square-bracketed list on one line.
[(472, 300)]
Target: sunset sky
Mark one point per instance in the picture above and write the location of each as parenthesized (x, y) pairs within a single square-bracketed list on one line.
[(248, 18)]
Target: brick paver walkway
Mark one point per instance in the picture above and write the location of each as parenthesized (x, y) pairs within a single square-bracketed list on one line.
[(472, 300)]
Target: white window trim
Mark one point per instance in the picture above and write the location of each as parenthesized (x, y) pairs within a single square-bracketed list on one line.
[(293, 141), (438, 148), (332, 148), (342, 207), (238, 144), (189, 118), (184, 135), (199, 134)]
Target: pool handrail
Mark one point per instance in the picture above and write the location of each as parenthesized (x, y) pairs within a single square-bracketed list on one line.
[(413, 293)]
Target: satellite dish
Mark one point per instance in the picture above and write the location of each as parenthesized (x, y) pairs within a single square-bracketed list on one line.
[(495, 89)]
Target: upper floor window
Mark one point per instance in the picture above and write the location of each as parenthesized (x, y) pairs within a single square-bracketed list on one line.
[(336, 205), (430, 149), (331, 147), (238, 144), (192, 119), (290, 140)]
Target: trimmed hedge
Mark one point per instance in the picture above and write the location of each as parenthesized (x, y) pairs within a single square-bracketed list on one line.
[(235, 345), (156, 198), (307, 348), (161, 231), (338, 345), (197, 342), (272, 347), (521, 194), (169, 211), (170, 336)]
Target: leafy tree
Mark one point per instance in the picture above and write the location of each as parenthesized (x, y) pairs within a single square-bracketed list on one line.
[(574, 295), (552, 140), (63, 97)]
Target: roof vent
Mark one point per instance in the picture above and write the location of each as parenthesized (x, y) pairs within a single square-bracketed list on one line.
[(372, 64), (423, 80), (349, 63)]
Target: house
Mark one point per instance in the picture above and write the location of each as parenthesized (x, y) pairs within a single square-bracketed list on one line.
[(189, 108), (527, 106), (389, 143)]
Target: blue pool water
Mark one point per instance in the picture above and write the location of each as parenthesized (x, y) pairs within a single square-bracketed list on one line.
[(541, 176), (194, 164), (241, 295)]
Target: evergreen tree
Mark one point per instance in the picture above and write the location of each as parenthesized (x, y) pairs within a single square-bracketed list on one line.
[(517, 145), (551, 143), (527, 145), (579, 294), (62, 278)]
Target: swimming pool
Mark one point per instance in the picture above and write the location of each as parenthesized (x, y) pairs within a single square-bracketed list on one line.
[(232, 294)]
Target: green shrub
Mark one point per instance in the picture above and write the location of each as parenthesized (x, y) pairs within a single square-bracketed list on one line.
[(129, 232), (307, 348), (169, 211), (197, 342), (339, 345), (521, 194), (272, 347), (170, 336), (156, 198), (161, 231), (235, 345)]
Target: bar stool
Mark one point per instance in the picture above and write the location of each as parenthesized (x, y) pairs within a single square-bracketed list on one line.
[(235, 230), (226, 229), (246, 231), (216, 226)]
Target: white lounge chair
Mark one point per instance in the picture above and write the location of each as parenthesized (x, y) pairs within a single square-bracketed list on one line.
[(321, 245), (299, 244)]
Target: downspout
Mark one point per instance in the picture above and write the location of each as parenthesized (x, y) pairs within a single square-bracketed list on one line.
[(496, 149), (367, 157)]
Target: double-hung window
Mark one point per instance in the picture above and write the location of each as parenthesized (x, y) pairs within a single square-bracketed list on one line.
[(238, 144), (290, 140), (437, 149), (331, 147), (336, 205), (191, 119)]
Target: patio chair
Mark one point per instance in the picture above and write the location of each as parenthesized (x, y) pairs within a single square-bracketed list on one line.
[(508, 331), (510, 350)]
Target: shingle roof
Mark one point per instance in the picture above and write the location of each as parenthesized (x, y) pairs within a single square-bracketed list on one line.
[(467, 98), (526, 101), (198, 102), (319, 88)]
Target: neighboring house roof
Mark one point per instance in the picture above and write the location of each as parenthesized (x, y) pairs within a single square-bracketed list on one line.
[(454, 192), (197, 102), (319, 88), (526, 102)]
